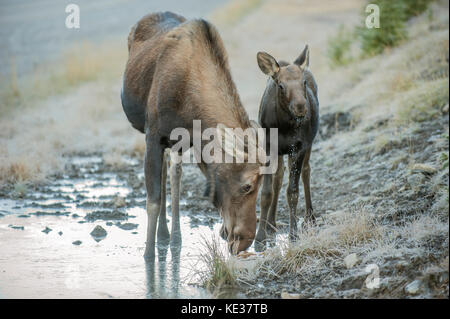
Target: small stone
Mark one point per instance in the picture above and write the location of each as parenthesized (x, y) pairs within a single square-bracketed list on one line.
[(287, 295), (414, 287), (16, 227), (98, 233), (351, 260), (47, 230), (119, 201), (423, 168), (77, 242), (60, 233), (127, 226)]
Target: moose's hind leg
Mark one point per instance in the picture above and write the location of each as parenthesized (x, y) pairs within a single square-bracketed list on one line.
[(163, 230), (176, 171), (153, 170)]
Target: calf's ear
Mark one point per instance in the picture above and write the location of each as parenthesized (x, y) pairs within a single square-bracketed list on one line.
[(267, 63), (303, 60)]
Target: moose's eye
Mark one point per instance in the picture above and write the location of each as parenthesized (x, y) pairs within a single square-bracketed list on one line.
[(281, 87), (246, 188), (304, 83)]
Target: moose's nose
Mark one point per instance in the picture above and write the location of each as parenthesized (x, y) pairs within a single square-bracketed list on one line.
[(241, 240), (298, 110), (238, 245)]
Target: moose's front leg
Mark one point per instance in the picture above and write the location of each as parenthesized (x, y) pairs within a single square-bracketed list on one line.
[(277, 182), (295, 166), (153, 169), (309, 217)]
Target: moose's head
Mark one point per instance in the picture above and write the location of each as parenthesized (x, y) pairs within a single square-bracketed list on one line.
[(291, 81)]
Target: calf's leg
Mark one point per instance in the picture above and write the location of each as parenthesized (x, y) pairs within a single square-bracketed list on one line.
[(295, 166), (309, 217), (266, 199), (277, 183)]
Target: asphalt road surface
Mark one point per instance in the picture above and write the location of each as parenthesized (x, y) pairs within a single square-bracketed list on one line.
[(32, 32)]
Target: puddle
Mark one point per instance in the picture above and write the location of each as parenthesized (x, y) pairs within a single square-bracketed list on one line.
[(46, 250)]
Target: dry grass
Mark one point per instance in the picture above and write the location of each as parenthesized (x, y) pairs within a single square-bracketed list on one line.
[(215, 274), (327, 244), (79, 64), (423, 102), (234, 11)]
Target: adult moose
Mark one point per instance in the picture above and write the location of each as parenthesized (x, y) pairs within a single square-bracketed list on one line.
[(177, 72), (290, 104)]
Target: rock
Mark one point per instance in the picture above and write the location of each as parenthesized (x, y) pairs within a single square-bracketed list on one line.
[(47, 230), (16, 227), (287, 295), (119, 201), (106, 215), (445, 109), (98, 233), (423, 168), (414, 287), (331, 123), (351, 260), (77, 242), (127, 226), (60, 233)]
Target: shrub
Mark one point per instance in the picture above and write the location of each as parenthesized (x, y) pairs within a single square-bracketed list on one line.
[(338, 50), (393, 15)]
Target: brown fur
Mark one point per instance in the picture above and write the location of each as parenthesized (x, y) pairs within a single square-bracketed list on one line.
[(178, 72)]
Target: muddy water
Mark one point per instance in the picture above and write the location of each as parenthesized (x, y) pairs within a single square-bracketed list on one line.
[(47, 251)]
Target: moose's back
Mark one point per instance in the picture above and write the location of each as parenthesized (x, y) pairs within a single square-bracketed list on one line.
[(146, 43)]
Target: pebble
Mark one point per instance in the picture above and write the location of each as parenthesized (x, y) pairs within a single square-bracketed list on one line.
[(77, 242), (287, 295), (351, 260), (98, 232), (47, 230), (414, 287)]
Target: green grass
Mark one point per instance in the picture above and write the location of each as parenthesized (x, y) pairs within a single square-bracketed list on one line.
[(392, 28), (338, 49)]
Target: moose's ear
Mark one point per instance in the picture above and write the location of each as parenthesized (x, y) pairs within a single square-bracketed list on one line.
[(303, 60), (267, 63)]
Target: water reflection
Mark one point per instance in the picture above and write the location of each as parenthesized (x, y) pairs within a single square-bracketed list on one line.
[(166, 284)]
